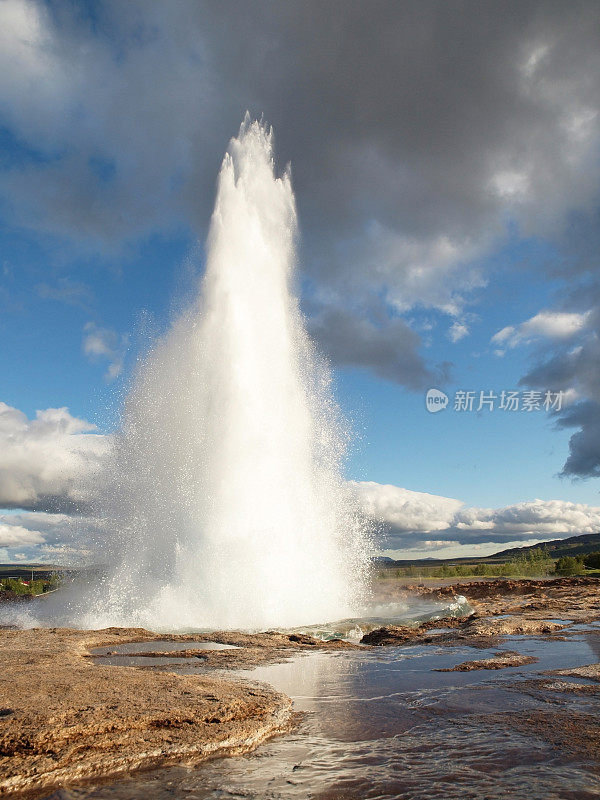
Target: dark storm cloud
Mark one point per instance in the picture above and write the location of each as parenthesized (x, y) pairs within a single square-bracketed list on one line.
[(584, 446), (415, 131), (387, 347), (575, 368), (414, 128)]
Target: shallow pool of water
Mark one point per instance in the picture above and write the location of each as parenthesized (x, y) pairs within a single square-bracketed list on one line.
[(382, 724), (413, 611), (129, 654)]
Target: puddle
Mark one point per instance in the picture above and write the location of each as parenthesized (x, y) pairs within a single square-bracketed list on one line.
[(585, 626), (127, 655), (438, 631)]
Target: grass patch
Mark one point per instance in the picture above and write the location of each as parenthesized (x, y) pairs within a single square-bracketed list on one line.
[(22, 588), (535, 563)]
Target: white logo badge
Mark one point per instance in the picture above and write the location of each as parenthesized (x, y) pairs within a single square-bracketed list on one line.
[(435, 400)]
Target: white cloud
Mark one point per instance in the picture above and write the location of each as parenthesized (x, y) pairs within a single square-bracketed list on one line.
[(435, 272), (458, 331), (554, 325), (541, 518), (105, 344), (18, 536), (47, 462), (49, 538), (404, 509), (408, 518)]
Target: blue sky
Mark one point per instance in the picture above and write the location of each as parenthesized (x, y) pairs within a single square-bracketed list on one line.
[(397, 440), (452, 200)]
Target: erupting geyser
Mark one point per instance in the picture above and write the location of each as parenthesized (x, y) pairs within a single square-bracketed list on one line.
[(227, 500)]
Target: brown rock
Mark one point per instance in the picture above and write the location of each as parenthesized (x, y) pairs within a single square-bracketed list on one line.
[(589, 671), (500, 660), (63, 718)]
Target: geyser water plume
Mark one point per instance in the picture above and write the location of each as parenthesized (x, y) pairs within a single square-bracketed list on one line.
[(227, 501)]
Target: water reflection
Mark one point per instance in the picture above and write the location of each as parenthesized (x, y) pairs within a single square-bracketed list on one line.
[(383, 724)]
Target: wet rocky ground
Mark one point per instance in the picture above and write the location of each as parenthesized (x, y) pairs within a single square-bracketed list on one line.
[(64, 718), (70, 713), (500, 608)]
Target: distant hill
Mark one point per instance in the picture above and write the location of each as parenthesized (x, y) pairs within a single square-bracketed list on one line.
[(573, 546), (26, 570)]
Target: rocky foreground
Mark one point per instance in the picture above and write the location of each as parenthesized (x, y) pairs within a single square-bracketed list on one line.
[(547, 609), (65, 718), (501, 607)]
